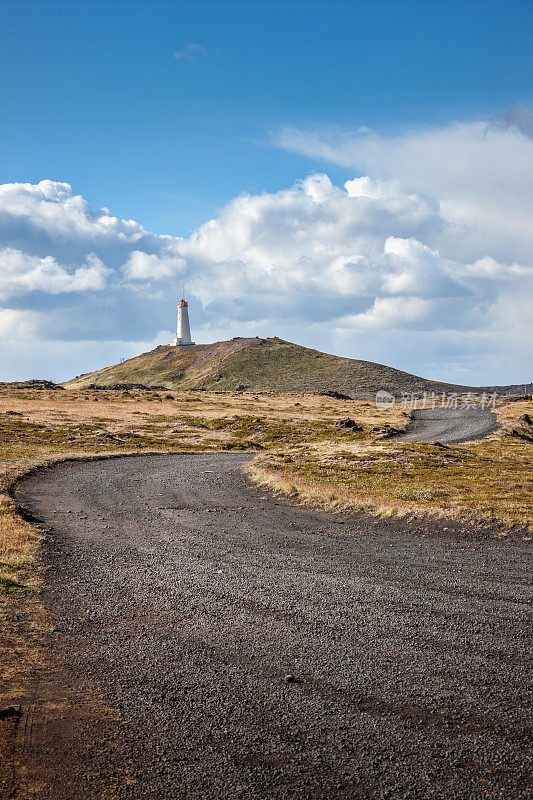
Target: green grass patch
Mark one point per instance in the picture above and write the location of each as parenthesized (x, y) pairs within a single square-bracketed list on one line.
[(9, 586)]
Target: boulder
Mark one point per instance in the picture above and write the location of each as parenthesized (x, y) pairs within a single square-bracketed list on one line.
[(524, 428), (336, 395), (348, 423)]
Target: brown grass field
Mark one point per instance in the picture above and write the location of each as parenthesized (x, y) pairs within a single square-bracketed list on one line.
[(300, 453)]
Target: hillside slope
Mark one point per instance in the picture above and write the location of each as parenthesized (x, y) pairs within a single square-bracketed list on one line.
[(260, 365)]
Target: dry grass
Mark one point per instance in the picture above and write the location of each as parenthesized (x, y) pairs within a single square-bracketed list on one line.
[(486, 480), (509, 413), (39, 427), (303, 452)]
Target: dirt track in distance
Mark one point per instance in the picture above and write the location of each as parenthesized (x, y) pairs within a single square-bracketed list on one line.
[(182, 597), (448, 425)]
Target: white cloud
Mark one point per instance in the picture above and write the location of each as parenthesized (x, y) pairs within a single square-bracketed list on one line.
[(16, 325), (518, 117), (480, 173), (387, 312), (22, 273), (427, 266), (367, 258), (313, 238), (190, 51), (50, 207), (318, 241), (153, 267), (76, 273)]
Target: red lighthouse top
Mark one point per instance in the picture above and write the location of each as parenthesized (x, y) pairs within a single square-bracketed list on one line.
[(183, 304)]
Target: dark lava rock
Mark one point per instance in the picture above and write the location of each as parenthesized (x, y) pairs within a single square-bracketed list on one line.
[(34, 383), (389, 431), (10, 711), (336, 395), (346, 422), (128, 387), (524, 428)]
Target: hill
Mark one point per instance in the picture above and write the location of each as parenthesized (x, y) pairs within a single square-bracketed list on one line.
[(259, 365)]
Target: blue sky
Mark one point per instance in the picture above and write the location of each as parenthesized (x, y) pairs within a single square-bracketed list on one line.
[(354, 176), (93, 95)]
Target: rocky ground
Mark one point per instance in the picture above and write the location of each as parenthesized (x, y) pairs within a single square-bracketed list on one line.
[(208, 641)]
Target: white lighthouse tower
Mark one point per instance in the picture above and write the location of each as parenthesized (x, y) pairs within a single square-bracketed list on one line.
[(184, 330)]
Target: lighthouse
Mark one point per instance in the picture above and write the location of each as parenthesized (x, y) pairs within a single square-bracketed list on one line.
[(184, 331)]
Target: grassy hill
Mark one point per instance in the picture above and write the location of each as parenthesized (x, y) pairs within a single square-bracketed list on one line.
[(260, 365)]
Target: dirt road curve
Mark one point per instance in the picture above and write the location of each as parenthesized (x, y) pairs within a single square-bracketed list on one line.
[(448, 425), (181, 598)]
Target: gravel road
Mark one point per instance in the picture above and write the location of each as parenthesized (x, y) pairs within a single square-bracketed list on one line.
[(448, 425), (181, 597)]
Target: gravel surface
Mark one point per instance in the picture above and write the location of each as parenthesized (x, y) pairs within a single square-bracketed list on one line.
[(448, 425), (258, 651)]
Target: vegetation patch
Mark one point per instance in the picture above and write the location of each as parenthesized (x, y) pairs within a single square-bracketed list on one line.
[(8, 585), (489, 480)]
